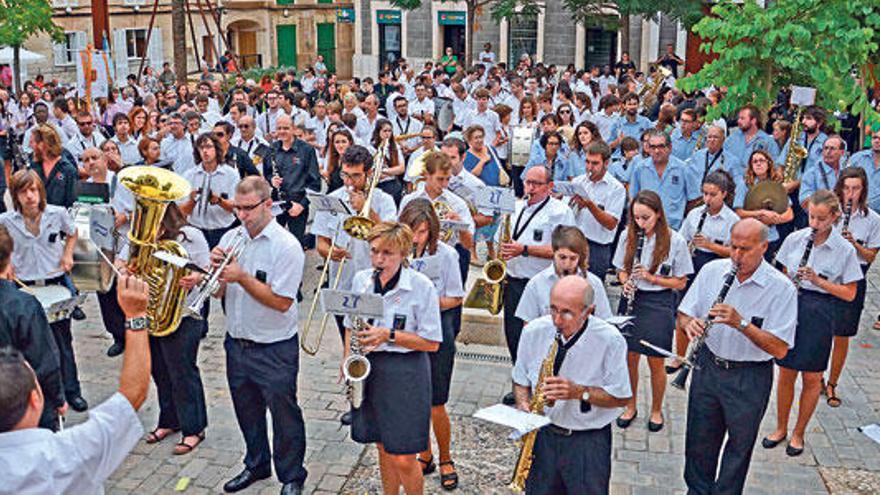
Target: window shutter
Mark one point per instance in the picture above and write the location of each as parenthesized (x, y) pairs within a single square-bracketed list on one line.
[(154, 50), (120, 57), (59, 52)]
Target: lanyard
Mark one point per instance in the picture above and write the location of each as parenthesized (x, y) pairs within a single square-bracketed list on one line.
[(563, 348), (517, 231), (710, 165)]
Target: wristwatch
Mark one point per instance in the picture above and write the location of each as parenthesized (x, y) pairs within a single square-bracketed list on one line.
[(743, 324), (137, 324), (391, 335), (585, 401), (525, 252)]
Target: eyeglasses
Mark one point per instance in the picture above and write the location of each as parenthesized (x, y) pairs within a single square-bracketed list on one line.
[(248, 208), (656, 146), (244, 126), (84, 124), (219, 134), (831, 148), (553, 143), (357, 176), (562, 313), (534, 183), (564, 112)]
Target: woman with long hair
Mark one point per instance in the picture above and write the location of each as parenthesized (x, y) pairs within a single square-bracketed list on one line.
[(761, 168), (825, 267), (649, 289), (528, 112), (394, 165), (150, 151), (338, 142), (140, 123), (565, 114), (584, 134)]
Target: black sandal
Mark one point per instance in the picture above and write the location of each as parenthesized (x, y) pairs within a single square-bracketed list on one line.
[(449, 481), (428, 466), (153, 436), (833, 400), (187, 448)]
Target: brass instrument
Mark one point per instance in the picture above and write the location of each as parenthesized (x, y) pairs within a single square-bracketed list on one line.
[(766, 195), (796, 151), (694, 346), (847, 216), (153, 188), (648, 93), (357, 227), (356, 367), (209, 285), (442, 209), (536, 406), (701, 138), (404, 137), (488, 291)]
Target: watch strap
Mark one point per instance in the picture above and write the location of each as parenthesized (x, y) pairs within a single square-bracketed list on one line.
[(137, 324), (392, 336)]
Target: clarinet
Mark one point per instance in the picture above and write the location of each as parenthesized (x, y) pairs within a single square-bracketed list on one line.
[(691, 246), (696, 344), (806, 257), (847, 215), (631, 282)]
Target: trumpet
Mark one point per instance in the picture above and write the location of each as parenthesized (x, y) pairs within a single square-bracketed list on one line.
[(209, 285), (404, 137), (356, 367)]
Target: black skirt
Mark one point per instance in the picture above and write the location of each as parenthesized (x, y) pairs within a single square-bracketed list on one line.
[(817, 315), (699, 258), (396, 410), (443, 360), (654, 321), (851, 312)]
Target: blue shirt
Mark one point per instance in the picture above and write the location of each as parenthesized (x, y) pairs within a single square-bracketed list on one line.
[(577, 163), (676, 187), (739, 199), (736, 145), (630, 129), (489, 175), (820, 176), (683, 148), (722, 160), (814, 150), (537, 156), (865, 160), (621, 170)]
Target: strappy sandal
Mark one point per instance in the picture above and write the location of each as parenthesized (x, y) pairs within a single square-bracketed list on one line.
[(428, 466), (183, 448), (833, 400), (154, 437), (823, 390), (449, 481)]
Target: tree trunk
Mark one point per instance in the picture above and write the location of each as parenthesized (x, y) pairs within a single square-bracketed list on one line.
[(16, 67), (178, 36), (624, 34), (469, 37)]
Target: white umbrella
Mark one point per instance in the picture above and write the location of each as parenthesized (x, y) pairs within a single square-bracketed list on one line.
[(26, 56)]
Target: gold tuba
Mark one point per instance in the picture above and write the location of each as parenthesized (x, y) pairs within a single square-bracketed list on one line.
[(153, 188), (488, 292), (442, 209)]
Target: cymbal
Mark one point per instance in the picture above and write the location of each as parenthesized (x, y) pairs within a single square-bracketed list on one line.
[(767, 195)]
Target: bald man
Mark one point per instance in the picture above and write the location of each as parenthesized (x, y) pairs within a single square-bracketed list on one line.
[(297, 170), (588, 387), (731, 387)]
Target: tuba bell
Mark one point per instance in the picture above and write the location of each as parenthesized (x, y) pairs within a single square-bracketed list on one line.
[(154, 188), (487, 292)]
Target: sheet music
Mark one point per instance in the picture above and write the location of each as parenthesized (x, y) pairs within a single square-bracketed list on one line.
[(522, 422)]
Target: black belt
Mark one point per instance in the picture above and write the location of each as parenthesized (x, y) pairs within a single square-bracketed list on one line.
[(566, 432), (594, 243), (59, 280), (732, 365), (246, 343)]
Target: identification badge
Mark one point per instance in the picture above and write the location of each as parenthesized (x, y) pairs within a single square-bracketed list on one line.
[(538, 235), (665, 269), (399, 322), (674, 180), (53, 237), (261, 276)]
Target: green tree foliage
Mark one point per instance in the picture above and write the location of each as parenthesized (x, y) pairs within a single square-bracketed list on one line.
[(816, 43), (21, 19), (592, 11)]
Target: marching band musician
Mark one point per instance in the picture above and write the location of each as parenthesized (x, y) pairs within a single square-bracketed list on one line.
[(662, 269), (58, 175), (396, 407), (297, 165), (731, 386), (748, 136), (685, 137), (256, 147), (825, 268), (570, 255), (824, 173), (23, 325), (528, 251), (233, 156), (44, 236), (862, 230), (599, 213), (259, 289), (760, 168), (432, 258), (572, 455), (869, 160), (713, 157), (209, 205)]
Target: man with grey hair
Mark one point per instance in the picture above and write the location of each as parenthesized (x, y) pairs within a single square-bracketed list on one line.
[(588, 386), (731, 387), (712, 157)]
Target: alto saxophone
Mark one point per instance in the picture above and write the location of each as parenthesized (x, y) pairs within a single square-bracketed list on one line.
[(536, 406), (356, 367)]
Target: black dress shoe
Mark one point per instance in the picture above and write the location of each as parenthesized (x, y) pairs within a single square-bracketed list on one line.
[(346, 418), (655, 427), (624, 423), (78, 314), (509, 399), (78, 404), (671, 370), (116, 349), (769, 443), (245, 479), (793, 451), (291, 489)]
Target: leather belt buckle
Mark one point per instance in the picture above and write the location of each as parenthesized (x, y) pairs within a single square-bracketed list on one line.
[(721, 362), (558, 430)]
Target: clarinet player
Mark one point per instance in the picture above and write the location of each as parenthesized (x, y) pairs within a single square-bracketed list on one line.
[(731, 387)]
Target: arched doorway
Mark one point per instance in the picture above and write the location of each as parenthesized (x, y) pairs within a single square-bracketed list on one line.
[(243, 39)]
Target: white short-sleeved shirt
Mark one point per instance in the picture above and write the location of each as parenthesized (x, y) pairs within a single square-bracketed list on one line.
[(865, 229), (767, 299), (328, 225), (414, 300), (196, 246), (835, 260), (76, 460), (276, 258), (532, 225), (716, 228), (420, 108), (464, 185), (677, 264), (439, 268), (535, 301), (37, 257), (597, 359), (222, 181), (128, 150), (610, 196), (458, 205), (489, 121), (179, 152)]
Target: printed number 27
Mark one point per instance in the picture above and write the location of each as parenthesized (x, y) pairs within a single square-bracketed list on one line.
[(350, 302)]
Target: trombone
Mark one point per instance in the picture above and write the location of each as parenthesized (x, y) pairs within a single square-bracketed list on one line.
[(357, 227)]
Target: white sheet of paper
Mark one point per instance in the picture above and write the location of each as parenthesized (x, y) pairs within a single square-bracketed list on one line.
[(872, 431), (521, 421), (803, 96), (619, 320), (339, 302), (492, 200), (567, 188), (324, 202)]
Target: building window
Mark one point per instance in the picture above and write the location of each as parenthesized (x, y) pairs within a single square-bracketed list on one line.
[(522, 37), (136, 42), (64, 3), (65, 52)]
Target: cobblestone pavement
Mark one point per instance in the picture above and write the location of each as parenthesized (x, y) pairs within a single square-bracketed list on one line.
[(838, 458)]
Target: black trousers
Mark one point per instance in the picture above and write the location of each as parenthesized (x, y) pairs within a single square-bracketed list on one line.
[(600, 259), (111, 313), (464, 262), (512, 325), (723, 402), (64, 341), (296, 226), (579, 463), (516, 178), (262, 376), (178, 382)]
